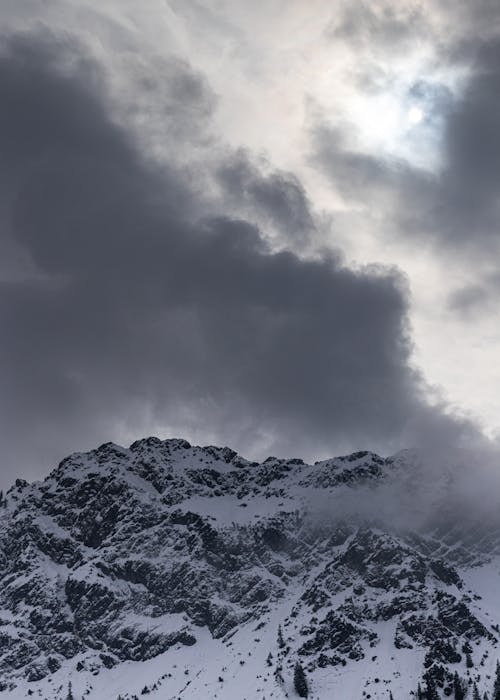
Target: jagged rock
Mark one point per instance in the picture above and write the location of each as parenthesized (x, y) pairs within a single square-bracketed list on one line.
[(124, 554)]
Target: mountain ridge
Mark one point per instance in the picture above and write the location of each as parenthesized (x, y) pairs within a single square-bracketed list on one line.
[(126, 562)]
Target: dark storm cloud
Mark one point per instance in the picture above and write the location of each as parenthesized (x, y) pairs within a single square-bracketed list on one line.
[(279, 197), (165, 93), (472, 142), (135, 316)]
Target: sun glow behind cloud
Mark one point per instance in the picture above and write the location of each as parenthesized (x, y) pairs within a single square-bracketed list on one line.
[(415, 115), (391, 123), (394, 108)]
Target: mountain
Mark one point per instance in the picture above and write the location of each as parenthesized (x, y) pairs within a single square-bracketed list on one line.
[(173, 571)]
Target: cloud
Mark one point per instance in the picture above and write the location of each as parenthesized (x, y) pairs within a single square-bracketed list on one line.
[(456, 206), (426, 490), (467, 300), (472, 175), (475, 298), (278, 197), (381, 25), (401, 193), (138, 309)]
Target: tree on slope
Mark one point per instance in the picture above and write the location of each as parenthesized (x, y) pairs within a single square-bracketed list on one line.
[(300, 681), (281, 640), (432, 693), (458, 687), (70, 695), (475, 693), (496, 687)]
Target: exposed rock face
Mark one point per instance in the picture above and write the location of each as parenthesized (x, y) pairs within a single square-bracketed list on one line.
[(122, 554)]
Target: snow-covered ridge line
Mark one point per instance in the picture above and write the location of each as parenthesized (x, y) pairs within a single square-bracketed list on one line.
[(185, 571)]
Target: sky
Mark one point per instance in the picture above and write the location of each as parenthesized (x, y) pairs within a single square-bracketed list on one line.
[(271, 225)]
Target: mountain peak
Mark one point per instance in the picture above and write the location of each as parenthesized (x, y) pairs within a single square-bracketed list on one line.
[(164, 564)]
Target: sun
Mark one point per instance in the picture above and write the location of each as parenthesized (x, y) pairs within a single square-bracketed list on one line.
[(386, 120), (415, 115)]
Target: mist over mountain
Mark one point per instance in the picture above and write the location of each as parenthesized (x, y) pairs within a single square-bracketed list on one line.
[(175, 571)]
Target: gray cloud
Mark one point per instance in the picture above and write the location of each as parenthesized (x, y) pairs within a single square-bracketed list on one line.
[(383, 24), (476, 298), (133, 316), (468, 299), (278, 198), (472, 143), (403, 193), (457, 207)]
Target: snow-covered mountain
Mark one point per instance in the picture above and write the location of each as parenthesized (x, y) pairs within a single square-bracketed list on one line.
[(175, 571)]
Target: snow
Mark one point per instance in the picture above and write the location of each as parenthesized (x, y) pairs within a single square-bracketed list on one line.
[(241, 661), (236, 667)]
